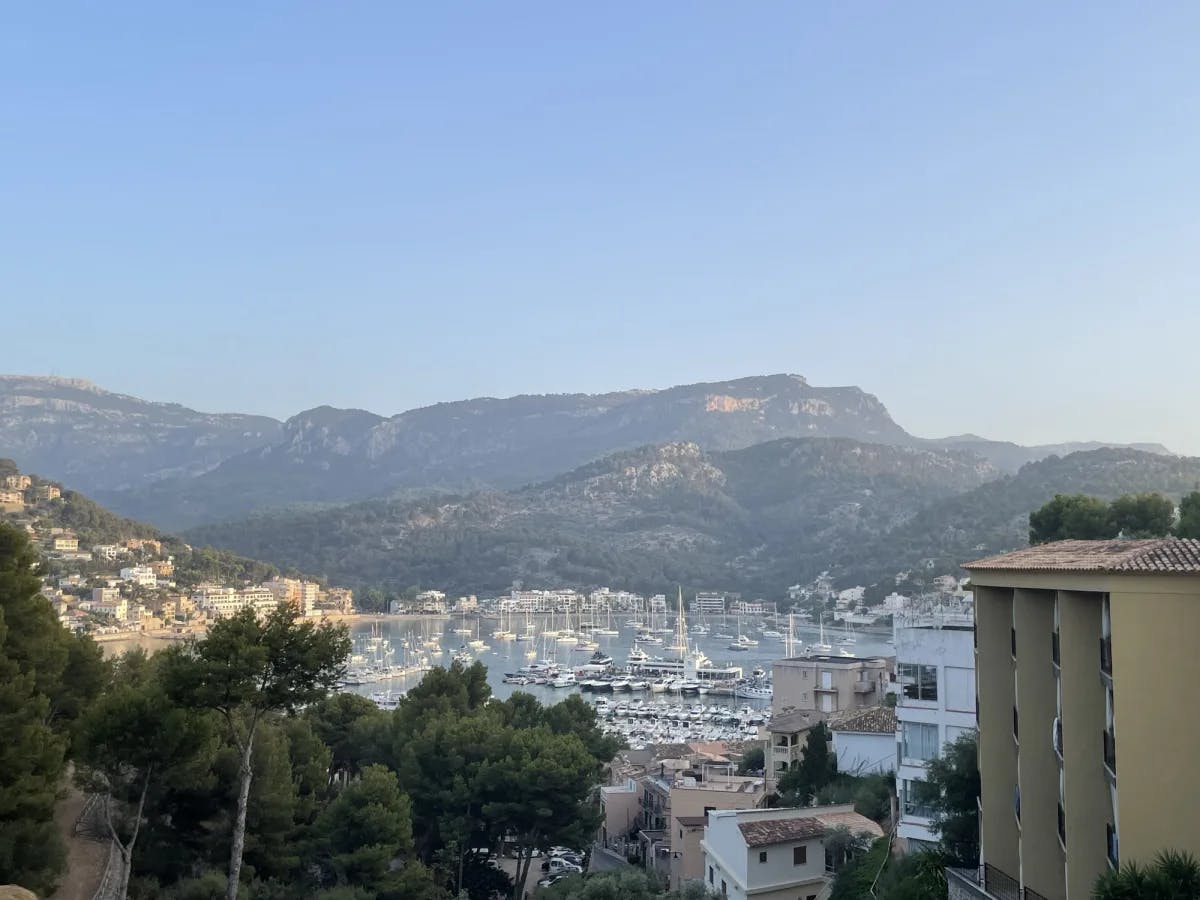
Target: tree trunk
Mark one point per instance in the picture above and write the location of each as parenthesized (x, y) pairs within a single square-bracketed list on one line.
[(239, 825), (127, 851)]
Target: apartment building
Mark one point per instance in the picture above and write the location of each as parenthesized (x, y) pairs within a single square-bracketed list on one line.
[(826, 684), (1083, 647), (774, 854), (670, 803), (17, 482), (935, 699)]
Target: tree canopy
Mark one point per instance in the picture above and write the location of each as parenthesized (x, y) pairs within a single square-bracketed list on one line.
[(951, 787), (1092, 518)]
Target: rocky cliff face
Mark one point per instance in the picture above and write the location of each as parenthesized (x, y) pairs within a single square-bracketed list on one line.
[(72, 430)]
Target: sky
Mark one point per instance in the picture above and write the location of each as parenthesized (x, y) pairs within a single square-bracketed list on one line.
[(987, 215)]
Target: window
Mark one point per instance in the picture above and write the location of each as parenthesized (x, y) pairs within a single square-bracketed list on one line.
[(920, 740), (800, 855), (710, 875), (919, 682), (724, 889), (762, 855), (1016, 730)]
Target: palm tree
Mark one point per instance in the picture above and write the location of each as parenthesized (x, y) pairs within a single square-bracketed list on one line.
[(1174, 875)]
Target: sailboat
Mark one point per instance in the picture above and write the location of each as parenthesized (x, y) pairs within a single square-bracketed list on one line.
[(822, 646), (849, 637), (606, 630), (741, 642), (502, 633), (462, 629), (680, 644)]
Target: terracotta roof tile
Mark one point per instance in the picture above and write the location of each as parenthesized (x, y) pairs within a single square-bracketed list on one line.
[(858, 824), (873, 720), (1163, 555), (763, 832)]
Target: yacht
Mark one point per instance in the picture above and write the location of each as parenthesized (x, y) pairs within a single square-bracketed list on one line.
[(636, 655), (566, 679), (741, 642), (658, 685), (600, 658), (772, 633), (621, 683)]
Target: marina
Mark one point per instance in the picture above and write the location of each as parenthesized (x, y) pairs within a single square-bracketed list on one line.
[(640, 689)]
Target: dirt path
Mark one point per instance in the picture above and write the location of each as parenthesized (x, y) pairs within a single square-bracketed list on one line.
[(85, 858)]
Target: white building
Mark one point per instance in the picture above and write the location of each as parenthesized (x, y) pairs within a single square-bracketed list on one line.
[(864, 740), (773, 854), (140, 575), (107, 551), (709, 604), (935, 681), (117, 608)]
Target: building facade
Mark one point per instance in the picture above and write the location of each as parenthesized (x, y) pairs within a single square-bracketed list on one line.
[(1084, 647), (935, 700), (774, 854), (864, 740), (824, 684)]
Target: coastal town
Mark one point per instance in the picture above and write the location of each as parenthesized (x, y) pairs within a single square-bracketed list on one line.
[(115, 586)]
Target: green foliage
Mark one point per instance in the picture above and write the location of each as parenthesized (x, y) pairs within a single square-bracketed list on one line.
[(245, 669), (952, 787), (854, 880), (816, 769), (753, 760), (914, 876), (47, 675), (1091, 518), (367, 826), (1071, 516), (1142, 515), (343, 722), (1173, 875), (1189, 516), (627, 884), (870, 794)]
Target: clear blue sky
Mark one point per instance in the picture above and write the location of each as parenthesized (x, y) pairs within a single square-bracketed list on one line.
[(987, 215)]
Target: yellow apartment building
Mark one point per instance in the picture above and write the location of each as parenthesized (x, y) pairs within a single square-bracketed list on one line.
[(1084, 648)]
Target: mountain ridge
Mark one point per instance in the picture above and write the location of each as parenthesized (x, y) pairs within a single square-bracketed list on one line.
[(177, 467), (752, 520)]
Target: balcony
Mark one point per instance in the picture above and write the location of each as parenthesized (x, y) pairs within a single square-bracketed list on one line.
[(1106, 656), (988, 883), (864, 687), (1110, 753)]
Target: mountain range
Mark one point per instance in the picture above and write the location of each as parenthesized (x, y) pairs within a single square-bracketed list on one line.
[(178, 468), (752, 520)]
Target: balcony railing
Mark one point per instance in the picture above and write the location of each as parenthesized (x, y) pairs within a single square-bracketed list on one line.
[(864, 687), (989, 882), (1054, 648), (1062, 825), (1110, 752), (1001, 885), (1106, 656)]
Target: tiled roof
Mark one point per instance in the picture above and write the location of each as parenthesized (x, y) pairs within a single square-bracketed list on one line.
[(791, 722), (1161, 555), (858, 824), (873, 720), (780, 831)]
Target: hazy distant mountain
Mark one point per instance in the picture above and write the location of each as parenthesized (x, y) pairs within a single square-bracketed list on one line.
[(326, 456), (994, 517), (176, 467), (753, 520), (69, 429), (647, 518), (1010, 457)]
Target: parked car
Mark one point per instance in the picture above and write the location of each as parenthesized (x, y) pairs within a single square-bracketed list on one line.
[(572, 858), (558, 866)]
